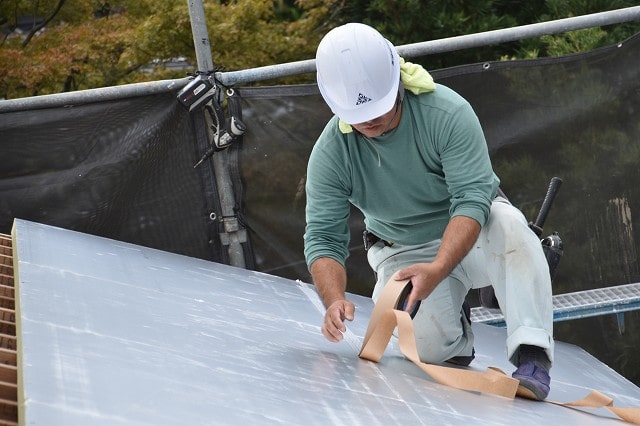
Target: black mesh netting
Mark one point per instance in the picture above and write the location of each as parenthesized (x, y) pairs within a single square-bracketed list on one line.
[(575, 117), (124, 169), (119, 169)]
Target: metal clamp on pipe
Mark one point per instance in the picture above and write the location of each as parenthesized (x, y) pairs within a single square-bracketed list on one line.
[(204, 92)]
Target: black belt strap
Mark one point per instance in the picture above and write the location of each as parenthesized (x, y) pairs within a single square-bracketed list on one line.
[(369, 239)]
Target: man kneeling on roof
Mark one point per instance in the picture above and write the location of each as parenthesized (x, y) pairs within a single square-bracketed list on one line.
[(411, 155)]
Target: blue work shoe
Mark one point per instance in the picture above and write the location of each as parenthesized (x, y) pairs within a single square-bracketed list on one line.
[(534, 380)]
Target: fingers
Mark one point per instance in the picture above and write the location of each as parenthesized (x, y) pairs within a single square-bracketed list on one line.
[(333, 325), (349, 311), (404, 274)]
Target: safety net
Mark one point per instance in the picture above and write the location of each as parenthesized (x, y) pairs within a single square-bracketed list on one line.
[(575, 117)]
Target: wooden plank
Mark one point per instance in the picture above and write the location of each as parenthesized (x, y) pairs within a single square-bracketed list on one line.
[(5, 240), (8, 356), (8, 412), (8, 315), (7, 291), (8, 391), (7, 303), (8, 342), (6, 279), (8, 328), (8, 373)]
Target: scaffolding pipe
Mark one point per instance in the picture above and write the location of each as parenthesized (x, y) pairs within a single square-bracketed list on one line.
[(233, 78), (200, 35), (101, 94), (233, 235), (450, 44)]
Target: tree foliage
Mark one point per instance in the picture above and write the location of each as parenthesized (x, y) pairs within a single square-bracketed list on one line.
[(51, 46), (414, 21), (88, 44)]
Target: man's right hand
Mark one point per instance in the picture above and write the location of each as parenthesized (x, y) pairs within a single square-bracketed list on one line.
[(334, 318)]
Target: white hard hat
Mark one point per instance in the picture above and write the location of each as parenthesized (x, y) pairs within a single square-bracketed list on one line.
[(358, 72)]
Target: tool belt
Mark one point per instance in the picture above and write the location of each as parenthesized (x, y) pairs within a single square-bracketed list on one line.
[(369, 239)]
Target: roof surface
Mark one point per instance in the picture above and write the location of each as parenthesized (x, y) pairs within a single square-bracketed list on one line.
[(112, 333)]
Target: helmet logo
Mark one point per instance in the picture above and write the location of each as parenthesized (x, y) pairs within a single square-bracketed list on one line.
[(362, 99)]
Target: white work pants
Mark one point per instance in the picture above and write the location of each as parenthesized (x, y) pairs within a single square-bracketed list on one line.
[(508, 256)]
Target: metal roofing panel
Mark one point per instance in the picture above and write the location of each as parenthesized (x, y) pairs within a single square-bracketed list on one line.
[(112, 334)]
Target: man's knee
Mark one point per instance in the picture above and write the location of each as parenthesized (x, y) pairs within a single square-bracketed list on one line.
[(441, 337)]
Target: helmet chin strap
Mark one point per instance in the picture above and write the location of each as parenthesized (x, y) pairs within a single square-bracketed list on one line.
[(399, 99), (395, 114)]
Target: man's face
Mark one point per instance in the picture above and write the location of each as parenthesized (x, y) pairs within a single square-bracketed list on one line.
[(384, 123)]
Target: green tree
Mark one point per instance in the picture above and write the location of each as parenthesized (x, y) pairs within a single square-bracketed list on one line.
[(87, 45), (413, 21), (404, 22), (573, 41)]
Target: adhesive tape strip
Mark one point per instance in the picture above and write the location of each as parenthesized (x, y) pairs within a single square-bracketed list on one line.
[(386, 317)]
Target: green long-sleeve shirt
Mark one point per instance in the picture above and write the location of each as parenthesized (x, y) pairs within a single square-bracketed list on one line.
[(408, 183)]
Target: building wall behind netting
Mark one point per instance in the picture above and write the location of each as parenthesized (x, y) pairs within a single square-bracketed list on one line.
[(124, 170)]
